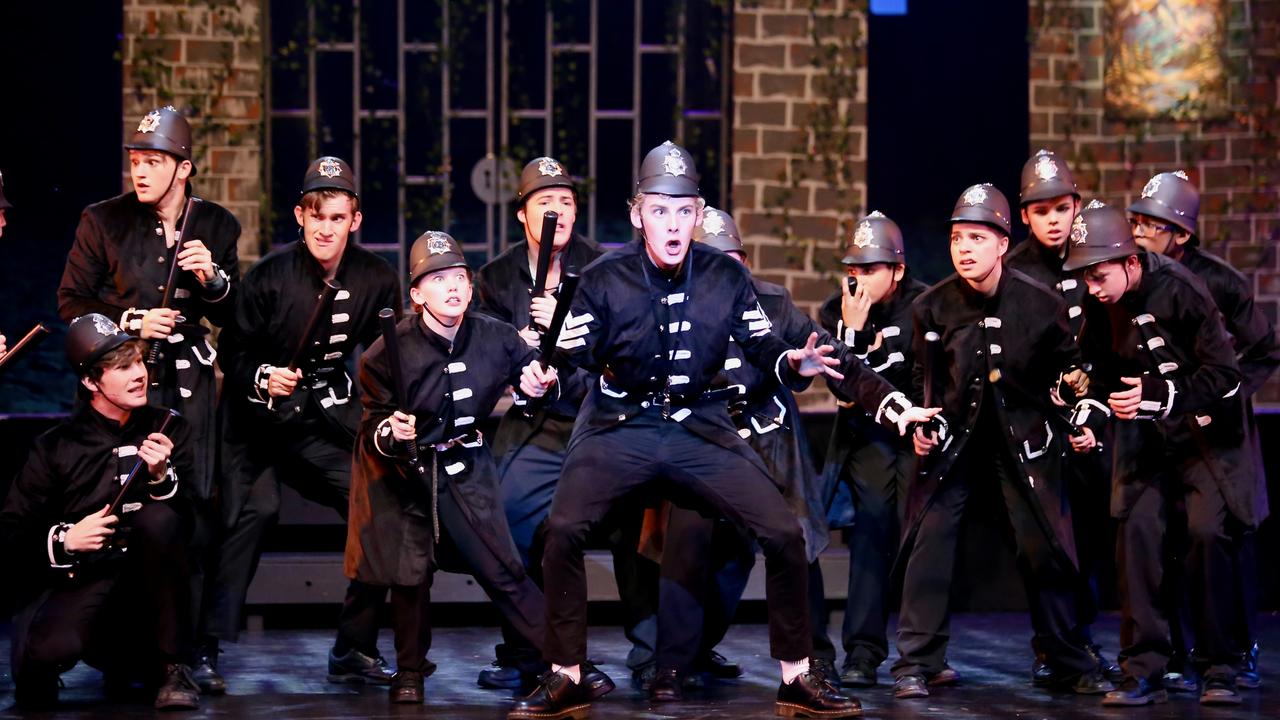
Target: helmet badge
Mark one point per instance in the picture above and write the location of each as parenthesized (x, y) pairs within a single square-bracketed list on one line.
[(1079, 231), (1046, 168), (104, 326), (673, 163), (975, 195), (712, 223), (437, 243), (330, 168), (1152, 187), (549, 167), (150, 122), (863, 236)]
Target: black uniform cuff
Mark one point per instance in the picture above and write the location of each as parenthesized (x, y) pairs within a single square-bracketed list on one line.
[(1157, 398)]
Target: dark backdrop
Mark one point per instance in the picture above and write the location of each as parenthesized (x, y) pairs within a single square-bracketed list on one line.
[(60, 138)]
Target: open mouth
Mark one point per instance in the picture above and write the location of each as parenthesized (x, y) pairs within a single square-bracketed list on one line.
[(673, 246)]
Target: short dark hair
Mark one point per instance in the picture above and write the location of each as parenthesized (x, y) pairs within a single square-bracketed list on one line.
[(315, 198), (119, 357)]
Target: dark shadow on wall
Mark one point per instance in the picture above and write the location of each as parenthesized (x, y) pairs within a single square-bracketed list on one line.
[(947, 88)]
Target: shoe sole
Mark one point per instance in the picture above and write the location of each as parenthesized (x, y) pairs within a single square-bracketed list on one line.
[(577, 712), (1155, 698), (178, 706), (407, 701), (1220, 700), (210, 690), (356, 680), (792, 710), (910, 695)]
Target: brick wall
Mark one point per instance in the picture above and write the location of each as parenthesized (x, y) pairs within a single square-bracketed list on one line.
[(1233, 160), (205, 58), (777, 89), (779, 182)]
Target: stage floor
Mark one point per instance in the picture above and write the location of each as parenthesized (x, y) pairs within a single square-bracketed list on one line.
[(280, 674)]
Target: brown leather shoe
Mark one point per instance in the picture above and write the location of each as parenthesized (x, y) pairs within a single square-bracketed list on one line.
[(810, 695), (407, 687), (179, 691), (557, 696)]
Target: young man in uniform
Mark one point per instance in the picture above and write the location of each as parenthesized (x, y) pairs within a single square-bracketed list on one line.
[(992, 343), (1164, 222), (404, 525), (530, 446), (111, 589), (710, 559), (297, 424), (119, 266), (1161, 354), (654, 318), (874, 321), (1050, 202)]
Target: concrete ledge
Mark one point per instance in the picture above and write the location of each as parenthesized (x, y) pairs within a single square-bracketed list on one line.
[(310, 578)]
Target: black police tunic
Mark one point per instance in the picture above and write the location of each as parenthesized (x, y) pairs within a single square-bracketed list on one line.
[(74, 470), (1022, 331), (502, 291), (657, 341), (276, 299), (892, 359), (1168, 331), (450, 387), (1044, 265), (118, 266), (1256, 344)]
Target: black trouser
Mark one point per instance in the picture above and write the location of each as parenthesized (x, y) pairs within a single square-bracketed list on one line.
[(1210, 561), (529, 477), (876, 472), (124, 610), (924, 622), (705, 567), (1090, 519), (605, 468), (517, 598), (320, 471)]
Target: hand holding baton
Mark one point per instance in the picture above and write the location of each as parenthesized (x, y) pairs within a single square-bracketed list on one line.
[(331, 288), (1050, 412), (28, 341), (547, 346), (137, 467), (391, 343), (153, 352), (932, 350), (546, 248)]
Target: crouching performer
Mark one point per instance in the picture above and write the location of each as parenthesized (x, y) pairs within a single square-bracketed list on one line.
[(95, 533), (436, 504)]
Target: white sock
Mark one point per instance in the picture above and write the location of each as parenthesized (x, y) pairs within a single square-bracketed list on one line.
[(793, 670), (574, 672)]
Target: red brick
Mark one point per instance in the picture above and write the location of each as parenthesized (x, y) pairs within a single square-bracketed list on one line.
[(756, 112), (756, 223), (746, 25), (1039, 68), (780, 257), (784, 84), (844, 200), (1237, 175), (822, 229), (1086, 123), (784, 25), (744, 85), (776, 197), (802, 55), (746, 141), (770, 169), (1103, 150), (757, 54), (1215, 203), (1194, 151), (784, 141), (812, 290), (212, 52), (1154, 151), (743, 196)]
